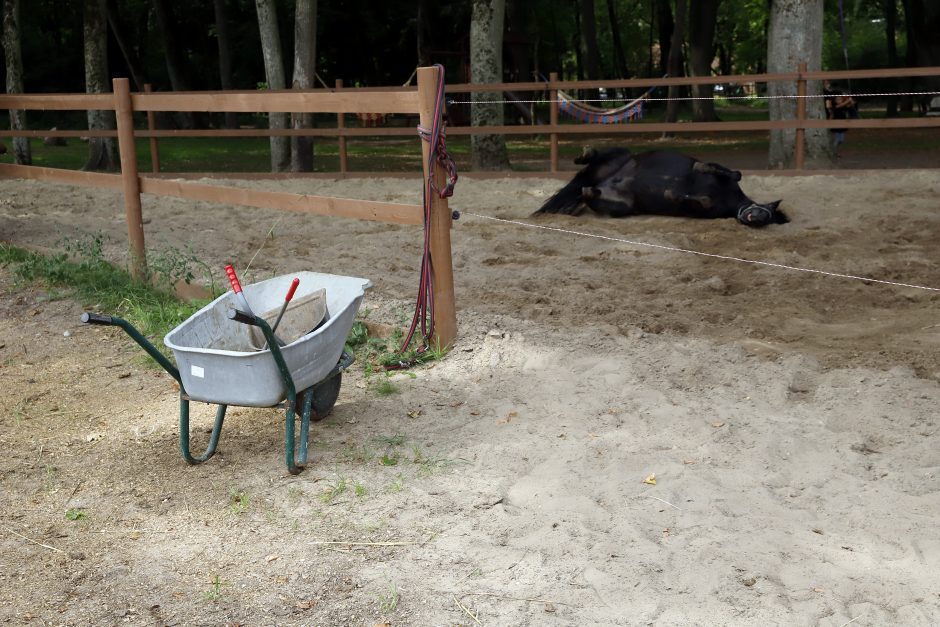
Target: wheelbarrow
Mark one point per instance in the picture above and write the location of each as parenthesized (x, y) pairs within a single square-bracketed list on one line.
[(222, 359)]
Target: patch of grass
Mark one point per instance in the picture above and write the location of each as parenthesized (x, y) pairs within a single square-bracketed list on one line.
[(390, 459), (239, 501), (388, 601), (360, 490), (358, 454), (76, 513), (214, 593), (332, 492), (386, 388), (81, 272), (397, 485)]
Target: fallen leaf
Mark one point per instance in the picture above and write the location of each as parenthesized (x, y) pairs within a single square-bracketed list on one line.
[(819, 589), (750, 581), (414, 413), (593, 435), (474, 413), (689, 462), (718, 424), (550, 608), (272, 558), (306, 605), (651, 479)]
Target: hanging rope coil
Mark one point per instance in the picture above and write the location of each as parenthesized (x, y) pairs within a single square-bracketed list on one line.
[(437, 155)]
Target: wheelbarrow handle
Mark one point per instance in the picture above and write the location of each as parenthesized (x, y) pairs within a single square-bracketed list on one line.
[(95, 318), (240, 316), (237, 288)]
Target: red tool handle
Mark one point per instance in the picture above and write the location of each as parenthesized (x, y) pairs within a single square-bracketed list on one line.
[(236, 286), (293, 288)]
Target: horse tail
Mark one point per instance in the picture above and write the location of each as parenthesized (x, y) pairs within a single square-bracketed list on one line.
[(568, 198)]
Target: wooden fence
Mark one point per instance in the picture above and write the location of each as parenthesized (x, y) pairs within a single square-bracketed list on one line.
[(420, 101), (389, 99), (407, 100)]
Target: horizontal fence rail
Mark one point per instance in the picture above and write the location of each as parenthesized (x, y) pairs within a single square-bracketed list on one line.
[(404, 100), (421, 102)]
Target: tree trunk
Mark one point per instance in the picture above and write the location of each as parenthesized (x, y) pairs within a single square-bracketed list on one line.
[(305, 50), (588, 43), (703, 15), (891, 26), (134, 66), (675, 62), (166, 25), (620, 60), (225, 55), (796, 36), (422, 34), (274, 74), (665, 27), (488, 152), (13, 53), (102, 151), (923, 24)]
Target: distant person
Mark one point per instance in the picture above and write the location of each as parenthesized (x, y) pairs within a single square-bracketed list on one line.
[(839, 106)]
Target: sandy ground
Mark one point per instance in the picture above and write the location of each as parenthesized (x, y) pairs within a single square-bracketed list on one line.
[(789, 418)]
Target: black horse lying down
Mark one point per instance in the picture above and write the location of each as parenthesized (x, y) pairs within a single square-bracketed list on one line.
[(619, 183)]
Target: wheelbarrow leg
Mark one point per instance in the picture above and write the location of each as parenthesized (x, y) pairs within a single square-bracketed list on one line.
[(184, 433), (296, 462)]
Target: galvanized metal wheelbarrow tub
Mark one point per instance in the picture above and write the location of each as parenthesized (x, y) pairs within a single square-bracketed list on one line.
[(217, 359)]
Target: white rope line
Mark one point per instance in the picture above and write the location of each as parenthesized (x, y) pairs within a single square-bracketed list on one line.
[(754, 97), (697, 252)]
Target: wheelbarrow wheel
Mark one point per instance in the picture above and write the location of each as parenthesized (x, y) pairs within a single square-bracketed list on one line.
[(324, 396)]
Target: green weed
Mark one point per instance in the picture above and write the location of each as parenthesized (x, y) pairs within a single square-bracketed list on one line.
[(75, 513), (386, 388), (81, 272), (239, 501), (397, 485), (389, 600), (332, 492), (360, 490), (214, 593)]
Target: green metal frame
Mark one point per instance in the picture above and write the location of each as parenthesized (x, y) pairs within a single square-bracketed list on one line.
[(294, 458)]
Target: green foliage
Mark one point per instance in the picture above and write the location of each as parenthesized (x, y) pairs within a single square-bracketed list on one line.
[(214, 593), (81, 271), (239, 501), (76, 514)]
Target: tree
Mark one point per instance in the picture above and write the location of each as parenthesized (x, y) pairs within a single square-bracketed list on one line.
[(102, 151), (703, 15), (175, 65), (225, 55), (13, 53), (923, 24), (795, 36), (620, 61), (589, 52), (665, 27), (305, 48), (488, 152), (274, 74), (131, 58), (675, 61)]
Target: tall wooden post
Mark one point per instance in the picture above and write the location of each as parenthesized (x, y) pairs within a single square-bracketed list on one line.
[(341, 124), (553, 120), (151, 126), (800, 116), (442, 277), (123, 109)]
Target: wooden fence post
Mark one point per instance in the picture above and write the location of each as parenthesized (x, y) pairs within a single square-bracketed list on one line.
[(341, 124), (123, 109), (800, 116), (442, 272), (151, 126), (553, 120)]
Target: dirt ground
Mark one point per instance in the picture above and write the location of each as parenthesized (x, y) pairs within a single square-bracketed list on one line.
[(789, 419)]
